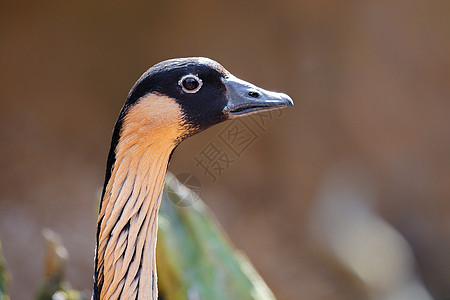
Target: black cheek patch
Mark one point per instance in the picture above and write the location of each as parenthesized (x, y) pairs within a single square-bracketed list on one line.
[(205, 108)]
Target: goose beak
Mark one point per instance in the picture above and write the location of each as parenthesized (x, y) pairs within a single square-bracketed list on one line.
[(245, 98)]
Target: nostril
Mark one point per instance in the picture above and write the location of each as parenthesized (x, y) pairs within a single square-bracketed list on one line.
[(253, 94)]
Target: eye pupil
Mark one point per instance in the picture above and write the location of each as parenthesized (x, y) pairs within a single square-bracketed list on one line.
[(190, 83)]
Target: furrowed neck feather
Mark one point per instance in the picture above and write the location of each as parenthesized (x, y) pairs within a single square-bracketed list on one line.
[(125, 265)]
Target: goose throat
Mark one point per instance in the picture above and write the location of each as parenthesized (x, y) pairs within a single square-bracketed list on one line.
[(125, 265)]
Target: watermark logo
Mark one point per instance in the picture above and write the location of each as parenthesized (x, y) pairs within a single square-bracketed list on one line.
[(220, 153), (238, 136), (216, 157)]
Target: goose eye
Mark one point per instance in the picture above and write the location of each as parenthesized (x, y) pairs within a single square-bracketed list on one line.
[(190, 83)]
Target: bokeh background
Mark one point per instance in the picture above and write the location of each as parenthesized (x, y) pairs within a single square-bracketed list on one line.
[(344, 196)]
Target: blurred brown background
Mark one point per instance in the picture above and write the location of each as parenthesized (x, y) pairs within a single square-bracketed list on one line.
[(370, 80)]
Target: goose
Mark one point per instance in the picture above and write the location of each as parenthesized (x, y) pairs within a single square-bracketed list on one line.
[(171, 101)]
